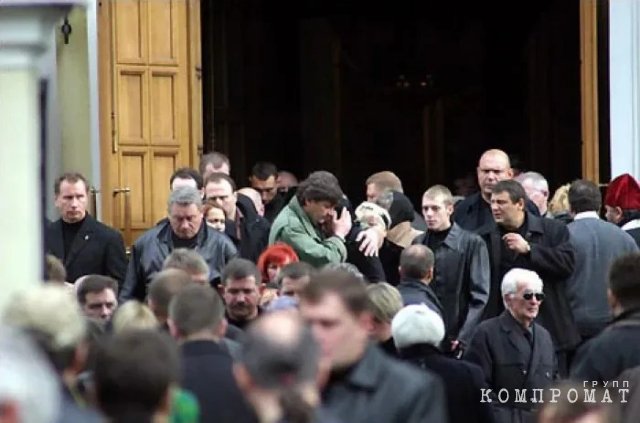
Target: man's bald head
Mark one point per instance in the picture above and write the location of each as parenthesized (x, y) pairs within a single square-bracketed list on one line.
[(416, 262), (494, 166)]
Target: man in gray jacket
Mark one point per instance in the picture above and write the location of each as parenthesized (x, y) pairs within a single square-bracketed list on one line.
[(184, 229), (596, 244)]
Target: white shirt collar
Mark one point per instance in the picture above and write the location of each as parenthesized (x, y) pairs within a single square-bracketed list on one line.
[(586, 215), (633, 224)]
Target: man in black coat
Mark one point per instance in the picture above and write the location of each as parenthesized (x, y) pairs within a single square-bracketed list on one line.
[(185, 228), (263, 179), (462, 270), (84, 245), (474, 212), (196, 320), (617, 348), (244, 226), (418, 332), (416, 274), (519, 239), (514, 352), (364, 385)]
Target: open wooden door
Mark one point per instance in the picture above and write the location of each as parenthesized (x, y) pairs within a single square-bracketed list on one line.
[(150, 105)]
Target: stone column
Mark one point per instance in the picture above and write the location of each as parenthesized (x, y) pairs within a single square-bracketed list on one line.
[(624, 77), (25, 30)]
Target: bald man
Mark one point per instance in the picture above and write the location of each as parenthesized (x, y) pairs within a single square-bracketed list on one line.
[(474, 212)]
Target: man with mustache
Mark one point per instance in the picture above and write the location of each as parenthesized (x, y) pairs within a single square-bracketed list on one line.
[(242, 285)]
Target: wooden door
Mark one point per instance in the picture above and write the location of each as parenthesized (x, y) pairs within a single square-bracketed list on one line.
[(150, 105)]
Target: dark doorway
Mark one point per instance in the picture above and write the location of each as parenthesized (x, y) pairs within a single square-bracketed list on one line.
[(417, 87)]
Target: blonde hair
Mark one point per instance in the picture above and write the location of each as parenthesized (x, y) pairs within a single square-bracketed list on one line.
[(133, 315), (385, 180), (385, 301), (560, 201)]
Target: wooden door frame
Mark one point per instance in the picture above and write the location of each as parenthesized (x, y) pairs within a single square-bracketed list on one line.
[(589, 90), (109, 174)]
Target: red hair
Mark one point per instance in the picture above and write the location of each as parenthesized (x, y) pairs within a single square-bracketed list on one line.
[(277, 253)]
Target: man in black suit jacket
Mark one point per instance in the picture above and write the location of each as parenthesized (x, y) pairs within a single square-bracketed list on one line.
[(474, 212), (514, 352), (84, 245), (196, 320), (519, 239)]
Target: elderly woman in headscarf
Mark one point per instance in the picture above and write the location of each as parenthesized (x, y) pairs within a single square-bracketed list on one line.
[(399, 236)]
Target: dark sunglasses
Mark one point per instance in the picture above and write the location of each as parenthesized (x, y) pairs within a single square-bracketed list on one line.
[(529, 295)]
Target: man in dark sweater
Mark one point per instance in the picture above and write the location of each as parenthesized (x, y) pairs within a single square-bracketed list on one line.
[(196, 320), (84, 245), (242, 284)]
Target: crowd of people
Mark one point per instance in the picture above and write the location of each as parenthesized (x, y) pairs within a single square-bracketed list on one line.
[(284, 302)]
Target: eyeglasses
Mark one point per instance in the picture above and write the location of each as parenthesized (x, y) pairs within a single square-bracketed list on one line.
[(529, 295)]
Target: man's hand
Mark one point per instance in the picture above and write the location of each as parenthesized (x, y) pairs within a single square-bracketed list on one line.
[(515, 242), (371, 241), (342, 226)]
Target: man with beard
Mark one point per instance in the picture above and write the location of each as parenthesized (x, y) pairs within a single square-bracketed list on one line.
[(241, 282), (622, 203)]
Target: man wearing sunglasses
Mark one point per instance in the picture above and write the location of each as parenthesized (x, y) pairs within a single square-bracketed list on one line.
[(521, 240), (514, 352), (263, 178)]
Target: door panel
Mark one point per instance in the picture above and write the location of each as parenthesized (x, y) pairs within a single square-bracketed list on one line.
[(149, 54)]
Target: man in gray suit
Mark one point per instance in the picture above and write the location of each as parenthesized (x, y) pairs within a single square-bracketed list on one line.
[(596, 244)]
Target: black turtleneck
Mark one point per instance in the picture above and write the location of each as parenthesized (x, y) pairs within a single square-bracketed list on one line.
[(435, 239), (184, 243), (69, 232)]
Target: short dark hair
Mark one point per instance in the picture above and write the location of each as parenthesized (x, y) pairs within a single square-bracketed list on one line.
[(296, 270), (351, 290), (511, 187), (416, 260), (187, 173), (136, 369), (584, 196), (264, 170), (215, 159), (196, 308), (71, 177), (240, 268), (319, 186), (54, 270), (94, 284), (217, 177), (624, 282), (164, 286)]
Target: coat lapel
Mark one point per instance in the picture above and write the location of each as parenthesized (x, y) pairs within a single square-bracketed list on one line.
[(536, 354), (507, 323), (83, 237)]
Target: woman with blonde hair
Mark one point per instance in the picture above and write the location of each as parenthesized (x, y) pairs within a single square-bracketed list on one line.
[(133, 315), (559, 204)]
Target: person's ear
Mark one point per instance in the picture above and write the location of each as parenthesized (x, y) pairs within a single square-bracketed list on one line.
[(242, 377), (612, 300), (173, 329), (521, 203), (220, 288), (430, 273), (510, 173), (618, 211), (221, 328)]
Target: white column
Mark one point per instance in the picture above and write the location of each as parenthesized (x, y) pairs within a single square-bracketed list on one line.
[(25, 31), (624, 77)]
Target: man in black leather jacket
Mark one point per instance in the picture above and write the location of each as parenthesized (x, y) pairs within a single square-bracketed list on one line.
[(462, 271), (184, 229)]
